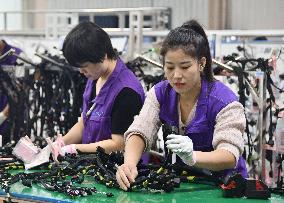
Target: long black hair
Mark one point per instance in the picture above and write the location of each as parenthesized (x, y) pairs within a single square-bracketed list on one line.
[(191, 38), (87, 42)]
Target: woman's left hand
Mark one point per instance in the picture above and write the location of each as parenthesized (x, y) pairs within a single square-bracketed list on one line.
[(183, 147)]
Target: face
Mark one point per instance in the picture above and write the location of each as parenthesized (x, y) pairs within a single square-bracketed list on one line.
[(182, 71), (94, 71)]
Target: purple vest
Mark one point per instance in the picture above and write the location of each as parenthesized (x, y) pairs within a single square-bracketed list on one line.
[(97, 126), (9, 60), (212, 99)]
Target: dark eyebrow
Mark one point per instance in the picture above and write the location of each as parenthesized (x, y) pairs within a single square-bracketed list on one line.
[(182, 63), (186, 62)]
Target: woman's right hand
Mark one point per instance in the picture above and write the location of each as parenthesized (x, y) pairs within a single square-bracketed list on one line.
[(125, 175), (56, 146)]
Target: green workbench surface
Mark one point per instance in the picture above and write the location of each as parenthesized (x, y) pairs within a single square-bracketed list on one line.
[(188, 192)]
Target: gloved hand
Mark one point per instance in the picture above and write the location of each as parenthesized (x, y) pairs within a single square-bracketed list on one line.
[(56, 147), (59, 141), (183, 147), (68, 149)]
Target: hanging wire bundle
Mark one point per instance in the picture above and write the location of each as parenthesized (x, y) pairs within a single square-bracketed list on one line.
[(44, 103), (18, 123), (138, 66), (249, 90), (56, 97)]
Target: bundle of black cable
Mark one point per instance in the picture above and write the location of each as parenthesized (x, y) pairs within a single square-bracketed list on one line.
[(67, 176), (103, 166)]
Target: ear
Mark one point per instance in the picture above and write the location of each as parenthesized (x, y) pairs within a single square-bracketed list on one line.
[(202, 63)]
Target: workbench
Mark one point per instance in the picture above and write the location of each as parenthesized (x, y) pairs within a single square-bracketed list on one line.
[(187, 192)]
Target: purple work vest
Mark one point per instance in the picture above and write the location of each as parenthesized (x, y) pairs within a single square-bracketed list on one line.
[(97, 126), (9, 60), (214, 96)]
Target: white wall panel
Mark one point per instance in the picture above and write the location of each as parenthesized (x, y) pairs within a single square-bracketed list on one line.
[(182, 10), (65, 4), (256, 14), (241, 14), (13, 20)]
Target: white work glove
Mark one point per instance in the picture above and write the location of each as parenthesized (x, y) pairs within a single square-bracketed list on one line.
[(56, 147), (68, 149), (183, 147), (2, 117)]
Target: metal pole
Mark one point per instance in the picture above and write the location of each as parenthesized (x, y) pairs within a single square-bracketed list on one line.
[(5, 20)]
